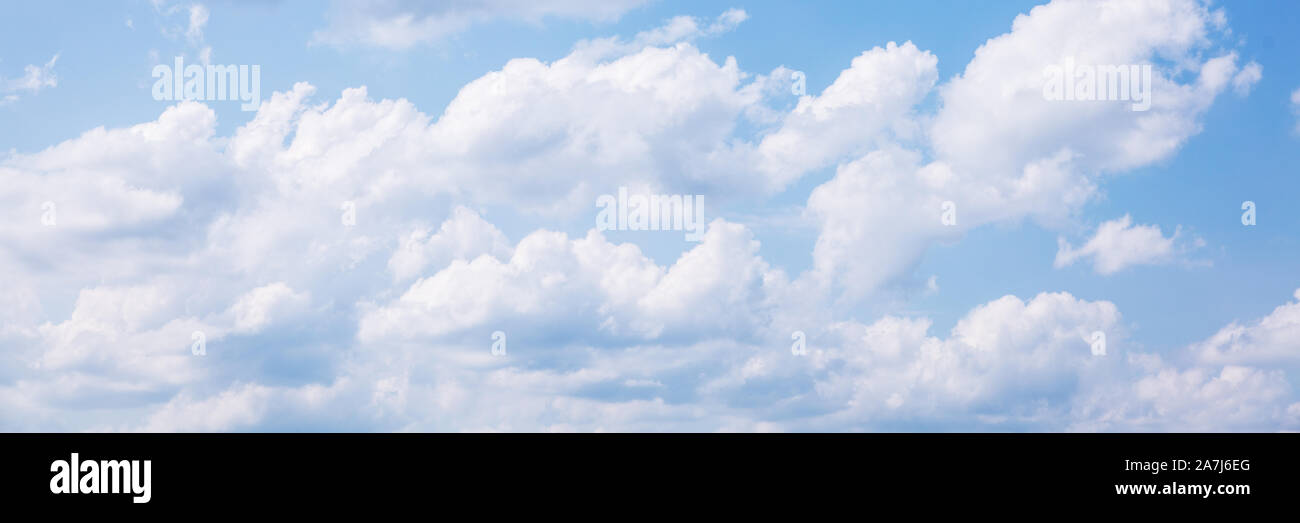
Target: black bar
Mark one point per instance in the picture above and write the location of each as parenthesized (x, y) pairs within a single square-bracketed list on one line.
[(323, 472)]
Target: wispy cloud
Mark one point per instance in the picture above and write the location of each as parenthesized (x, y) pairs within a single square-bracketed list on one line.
[(1118, 245), (402, 24), (34, 80)]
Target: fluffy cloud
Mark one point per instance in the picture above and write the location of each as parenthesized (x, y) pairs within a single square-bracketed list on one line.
[(589, 285), (995, 117), (464, 236), (1267, 342), (546, 138), (871, 100), (1118, 244), (261, 306), (303, 247), (999, 151), (1010, 364)]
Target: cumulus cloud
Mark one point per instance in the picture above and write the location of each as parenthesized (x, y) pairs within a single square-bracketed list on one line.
[(1268, 342), (589, 285), (546, 138), (870, 101), (260, 307), (1007, 74), (304, 247), (465, 235), (998, 150), (1010, 364), (1014, 361), (1118, 244)]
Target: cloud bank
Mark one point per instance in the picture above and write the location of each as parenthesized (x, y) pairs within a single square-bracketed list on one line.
[(340, 266)]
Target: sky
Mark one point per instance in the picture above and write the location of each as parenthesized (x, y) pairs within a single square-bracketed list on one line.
[(400, 227)]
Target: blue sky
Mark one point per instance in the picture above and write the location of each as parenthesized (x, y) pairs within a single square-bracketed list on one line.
[(486, 129)]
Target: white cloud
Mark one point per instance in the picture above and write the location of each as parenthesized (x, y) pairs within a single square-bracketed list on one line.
[(123, 337), (1270, 341), (995, 118), (1247, 78), (384, 324), (198, 20), (589, 285), (465, 235), (260, 307), (1295, 108), (34, 80), (677, 29), (1118, 244), (108, 185), (871, 100), (1230, 398), (401, 24), (186, 22), (1010, 364), (883, 198), (999, 151), (1017, 361), (545, 138), (244, 406)]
